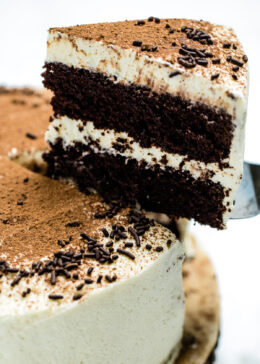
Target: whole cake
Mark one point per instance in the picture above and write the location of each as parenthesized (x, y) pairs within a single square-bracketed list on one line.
[(150, 111), (84, 282)]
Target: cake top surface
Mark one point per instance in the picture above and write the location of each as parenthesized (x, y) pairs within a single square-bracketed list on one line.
[(24, 117), (196, 46), (55, 239)]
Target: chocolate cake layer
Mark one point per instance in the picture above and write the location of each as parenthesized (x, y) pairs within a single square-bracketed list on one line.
[(174, 124), (170, 191)]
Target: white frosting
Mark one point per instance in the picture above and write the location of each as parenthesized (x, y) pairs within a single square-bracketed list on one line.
[(69, 131), (137, 319)]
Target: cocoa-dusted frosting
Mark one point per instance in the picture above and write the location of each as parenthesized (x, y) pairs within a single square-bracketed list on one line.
[(24, 117), (174, 41), (62, 244)]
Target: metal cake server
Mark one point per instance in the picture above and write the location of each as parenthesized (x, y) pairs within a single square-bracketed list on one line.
[(247, 202)]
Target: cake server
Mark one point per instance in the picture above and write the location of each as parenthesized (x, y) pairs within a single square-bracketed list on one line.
[(247, 203)]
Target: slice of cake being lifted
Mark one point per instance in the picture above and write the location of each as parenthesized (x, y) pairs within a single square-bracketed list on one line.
[(151, 111)]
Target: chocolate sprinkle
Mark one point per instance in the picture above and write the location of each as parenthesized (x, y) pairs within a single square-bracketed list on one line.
[(215, 76), (89, 281), (109, 279), (99, 278), (77, 297), (175, 73), (159, 249), (236, 62), (187, 61), (126, 253), (80, 286), (90, 270), (53, 277), (137, 43), (105, 232), (73, 224), (31, 136), (245, 59), (55, 297), (226, 45), (135, 236)]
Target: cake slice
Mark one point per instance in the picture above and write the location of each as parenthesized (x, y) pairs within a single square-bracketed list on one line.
[(81, 281), (151, 111), (24, 117)]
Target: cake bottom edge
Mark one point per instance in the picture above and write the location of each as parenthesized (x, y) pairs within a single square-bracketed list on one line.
[(167, 190)]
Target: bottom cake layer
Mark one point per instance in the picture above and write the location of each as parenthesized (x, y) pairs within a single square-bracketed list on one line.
[(170, 191)]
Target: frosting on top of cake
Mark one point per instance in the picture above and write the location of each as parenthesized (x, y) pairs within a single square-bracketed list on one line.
[(193, 46), (58, 245)]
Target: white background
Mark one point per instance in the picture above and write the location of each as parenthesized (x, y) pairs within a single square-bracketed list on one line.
[(234, 252)]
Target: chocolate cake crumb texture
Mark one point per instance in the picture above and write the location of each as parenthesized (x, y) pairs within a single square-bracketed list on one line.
[(108, 174), (175, 129)]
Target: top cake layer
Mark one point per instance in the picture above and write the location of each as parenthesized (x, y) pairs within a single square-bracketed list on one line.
[(218, 54)]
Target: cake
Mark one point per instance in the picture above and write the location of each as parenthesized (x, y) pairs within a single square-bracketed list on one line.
[(24, 117), (84, 282), (150, 112), (91, 283)]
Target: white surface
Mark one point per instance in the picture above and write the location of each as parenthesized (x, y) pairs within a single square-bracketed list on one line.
[(236, 251)]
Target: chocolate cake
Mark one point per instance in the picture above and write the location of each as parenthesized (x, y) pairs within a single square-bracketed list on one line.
[(24, 117), (150, 111)]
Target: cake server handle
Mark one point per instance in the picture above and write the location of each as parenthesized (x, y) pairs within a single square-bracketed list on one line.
[(247, 203)]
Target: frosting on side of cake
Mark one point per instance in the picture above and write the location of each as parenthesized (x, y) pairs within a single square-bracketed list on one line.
[(81, 272)]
